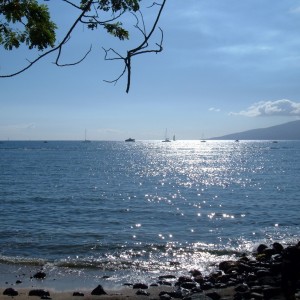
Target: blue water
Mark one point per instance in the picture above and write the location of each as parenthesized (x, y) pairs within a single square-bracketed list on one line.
[(135, 207)]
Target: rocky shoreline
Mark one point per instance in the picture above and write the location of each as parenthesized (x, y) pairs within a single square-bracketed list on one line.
[(272, 272)]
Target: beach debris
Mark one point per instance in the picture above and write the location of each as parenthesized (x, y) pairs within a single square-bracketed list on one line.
[(39, 293), (98, 291), (10, 292)]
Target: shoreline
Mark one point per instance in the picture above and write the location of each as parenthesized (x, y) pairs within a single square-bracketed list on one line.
[(273, 272)]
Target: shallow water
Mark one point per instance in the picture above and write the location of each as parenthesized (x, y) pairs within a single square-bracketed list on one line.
[(123, 208)]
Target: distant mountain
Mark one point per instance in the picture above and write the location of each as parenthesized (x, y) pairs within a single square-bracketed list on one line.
[(286, 131)]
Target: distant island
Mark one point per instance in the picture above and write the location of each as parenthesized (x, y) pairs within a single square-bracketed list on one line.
[(286, 131)]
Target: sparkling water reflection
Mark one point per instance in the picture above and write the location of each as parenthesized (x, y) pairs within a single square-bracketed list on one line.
[(136, 206)]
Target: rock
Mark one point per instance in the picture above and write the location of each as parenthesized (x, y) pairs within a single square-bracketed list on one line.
[(10, 292), (142, 293), (39, 275), (260, 249), (228, 265), (18, 281), (164, 282), (39, 293), (195, 273), (78, 294), (98, 291), (257, 296), (182, 279), (188, 285), (271, 292), (213, 295), (165, 297), (166, 277), (140, 286), (242, 288)]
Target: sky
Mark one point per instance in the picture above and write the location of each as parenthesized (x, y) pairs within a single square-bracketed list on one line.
[(227, 66)]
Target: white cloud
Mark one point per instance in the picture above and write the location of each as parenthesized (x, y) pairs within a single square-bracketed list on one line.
[(283, 107), (214, 109), (25, 126)]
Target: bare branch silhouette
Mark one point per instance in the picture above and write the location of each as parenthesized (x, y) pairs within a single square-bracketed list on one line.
[(140, 49)]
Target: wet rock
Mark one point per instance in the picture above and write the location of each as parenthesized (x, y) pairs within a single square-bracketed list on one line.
[(18, 281), (39, 275), (271, 292), (39, 293), (188, 285), (140, 286), (260, 249), (228, 265), (164, 282), (78, 294), (162, 277), (256, 296), (213, 295), (195, 273), (165, 296), (10, 292), (98, 291), (142, 293), (242, 288)]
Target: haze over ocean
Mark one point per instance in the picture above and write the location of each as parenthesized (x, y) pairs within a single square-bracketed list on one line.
[(128, 210)]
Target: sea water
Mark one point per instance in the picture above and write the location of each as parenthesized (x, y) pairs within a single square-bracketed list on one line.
[(133, 211)]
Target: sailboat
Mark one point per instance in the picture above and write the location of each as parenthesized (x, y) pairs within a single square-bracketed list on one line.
[(85, 140), (174, 139), (166, 140)]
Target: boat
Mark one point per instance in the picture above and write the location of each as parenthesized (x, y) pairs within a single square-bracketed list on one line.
[(130, 140), (166, 140), (85, 140), (174, 139)]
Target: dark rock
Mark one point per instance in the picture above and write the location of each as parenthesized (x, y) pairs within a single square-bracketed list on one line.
[(188, 285), (176, 294), (39, 293), (199, 279), (98, 291), (182, 279), (164, 282), (271, 292), (260, 249), (140, 286), (228, 265), (153, 284), (142, 293), (277, 247), (242, 288), (256, 296), (195, 273), (167, 277), (18, 281), (78, 294), (207, 286), (10, 292), (39, 275), (213, 295), (165, 296), (127, 284)]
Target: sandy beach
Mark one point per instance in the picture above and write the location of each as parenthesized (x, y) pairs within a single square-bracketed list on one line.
[(124, 293)]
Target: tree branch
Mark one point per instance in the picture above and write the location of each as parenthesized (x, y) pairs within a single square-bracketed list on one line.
[(140, 49)]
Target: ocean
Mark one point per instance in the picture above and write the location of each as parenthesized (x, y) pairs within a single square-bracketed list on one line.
[(118, 212)]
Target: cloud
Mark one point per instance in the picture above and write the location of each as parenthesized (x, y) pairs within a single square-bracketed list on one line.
[(283, 107), (22, 126), (214, 109)]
